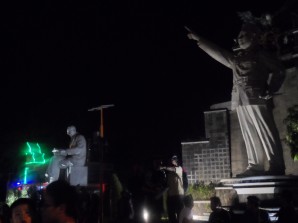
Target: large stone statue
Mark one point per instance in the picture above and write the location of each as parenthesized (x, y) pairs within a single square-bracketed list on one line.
[(257, 74), (75, 155)]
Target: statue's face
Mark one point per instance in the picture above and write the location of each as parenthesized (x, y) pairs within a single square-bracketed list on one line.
[(245, 39), (71, 131)]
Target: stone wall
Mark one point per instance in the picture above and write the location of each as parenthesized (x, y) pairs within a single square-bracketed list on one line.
[(285, 98), (209, 160)]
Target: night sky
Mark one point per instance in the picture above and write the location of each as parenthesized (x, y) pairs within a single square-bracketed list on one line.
[(61, 58)]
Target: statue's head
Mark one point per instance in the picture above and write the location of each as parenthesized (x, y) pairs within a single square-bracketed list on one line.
[(248, 36), (71, 130)]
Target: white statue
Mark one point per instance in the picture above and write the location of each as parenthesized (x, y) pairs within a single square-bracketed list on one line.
[(253, 87), (75, 155)]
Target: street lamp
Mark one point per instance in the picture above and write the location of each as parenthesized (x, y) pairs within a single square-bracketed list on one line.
[(101, 108)]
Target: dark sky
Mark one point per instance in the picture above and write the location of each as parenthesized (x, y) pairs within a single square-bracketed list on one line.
[(60, 58)]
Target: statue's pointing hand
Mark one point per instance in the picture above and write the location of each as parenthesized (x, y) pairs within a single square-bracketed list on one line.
[(192, 35)]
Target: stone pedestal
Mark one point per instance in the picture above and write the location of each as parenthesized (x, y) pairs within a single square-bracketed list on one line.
[(233, 192), (238, 150), (78, 176)]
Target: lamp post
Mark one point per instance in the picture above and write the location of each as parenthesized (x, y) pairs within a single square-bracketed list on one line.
[(101, 108)]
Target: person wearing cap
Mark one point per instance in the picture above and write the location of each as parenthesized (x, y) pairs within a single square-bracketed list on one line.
[(175, 193)]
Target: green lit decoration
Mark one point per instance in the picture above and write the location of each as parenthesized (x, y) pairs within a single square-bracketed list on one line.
[(34, 154), (291, 122), (34, 158), (25, 175), (32, 172)]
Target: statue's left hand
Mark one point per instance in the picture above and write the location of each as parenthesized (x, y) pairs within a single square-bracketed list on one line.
[(55, 151), (267, 95), (63, 152)]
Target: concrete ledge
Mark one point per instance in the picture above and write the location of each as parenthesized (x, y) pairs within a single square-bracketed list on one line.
[(78, 176)]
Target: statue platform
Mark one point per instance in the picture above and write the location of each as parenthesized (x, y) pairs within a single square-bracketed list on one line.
[(233, 192)]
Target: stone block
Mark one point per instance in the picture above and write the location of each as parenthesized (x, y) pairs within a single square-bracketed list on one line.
[(78, 176)]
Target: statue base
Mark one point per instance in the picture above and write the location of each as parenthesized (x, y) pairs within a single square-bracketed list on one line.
[(233, 192)]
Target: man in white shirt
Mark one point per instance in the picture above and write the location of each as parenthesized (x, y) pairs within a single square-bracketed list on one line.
[(175, 192)]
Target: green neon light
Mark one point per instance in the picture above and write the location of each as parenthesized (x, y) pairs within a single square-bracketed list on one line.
[(38, 148), (36, 156), (25, 175)]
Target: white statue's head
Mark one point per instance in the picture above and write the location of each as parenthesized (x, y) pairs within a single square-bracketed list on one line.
[(71, 130), (248, 36)]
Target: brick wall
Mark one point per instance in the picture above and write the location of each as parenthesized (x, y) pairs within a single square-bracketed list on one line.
[(209, 160)]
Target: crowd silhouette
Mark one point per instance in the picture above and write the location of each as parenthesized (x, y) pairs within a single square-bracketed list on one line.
[(143, 197)]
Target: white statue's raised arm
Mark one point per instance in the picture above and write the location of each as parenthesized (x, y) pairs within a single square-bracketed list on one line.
[(221, 55)]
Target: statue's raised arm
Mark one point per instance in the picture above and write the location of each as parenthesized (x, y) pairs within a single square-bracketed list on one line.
[(219, 54)]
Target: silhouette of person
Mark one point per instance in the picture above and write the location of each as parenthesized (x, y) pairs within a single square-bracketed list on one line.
[(218, 214), (286, 213), (126, 209), (4, 213), (253, 214), (154, 189), (60, 203), (23, 210), (186, 214)]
